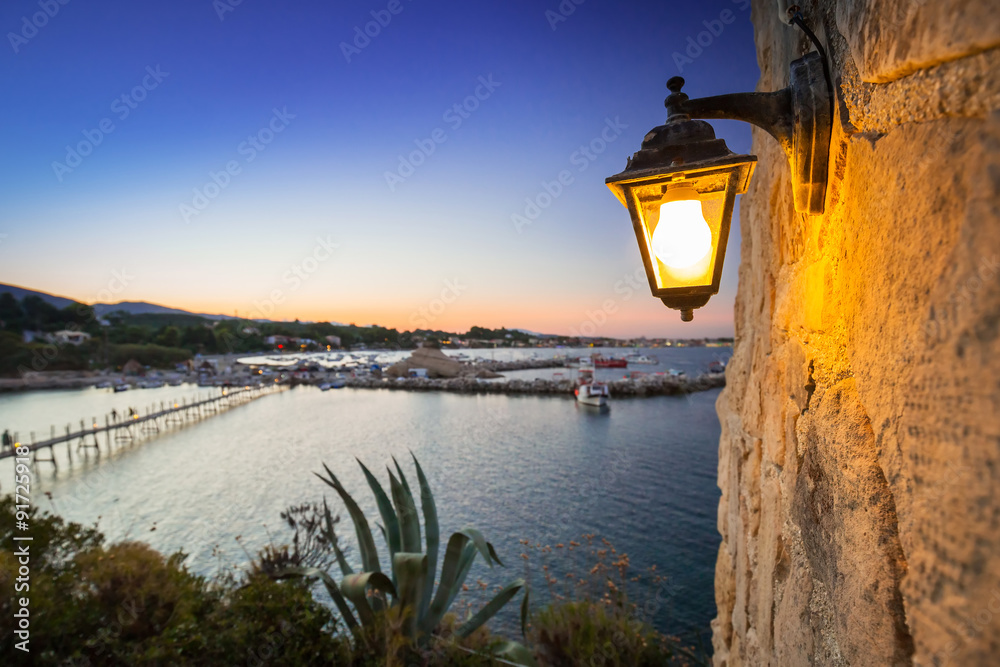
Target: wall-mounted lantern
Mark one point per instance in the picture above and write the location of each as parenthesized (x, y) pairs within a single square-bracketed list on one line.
[(680, 188)]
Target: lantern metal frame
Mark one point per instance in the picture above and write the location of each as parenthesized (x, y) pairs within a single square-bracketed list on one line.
[(799, 117)]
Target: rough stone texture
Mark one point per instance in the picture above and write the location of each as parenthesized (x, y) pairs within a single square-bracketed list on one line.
[(860, 451), (892, 38)]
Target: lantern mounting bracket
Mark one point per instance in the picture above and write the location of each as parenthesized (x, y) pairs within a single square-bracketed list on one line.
[(799, 117)]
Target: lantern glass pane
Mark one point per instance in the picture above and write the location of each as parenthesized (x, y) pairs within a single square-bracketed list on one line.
[(684, 252)]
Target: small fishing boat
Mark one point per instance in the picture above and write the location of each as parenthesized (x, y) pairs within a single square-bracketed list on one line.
[(325, 386), (717, 366), (121, 387), (591, 392), (609, 362), (339, 382)]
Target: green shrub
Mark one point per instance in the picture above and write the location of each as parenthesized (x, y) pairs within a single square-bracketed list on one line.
[(126, 604), (594, 633), (590, 618)]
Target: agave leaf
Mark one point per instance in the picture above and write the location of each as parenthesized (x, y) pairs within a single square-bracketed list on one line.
[(433, 535), (345, 569), (450, 569), (525, 613), (493, 553), (484, 547), (385, 509), (465, 564), (331, 588), (355, 588), (366, 543), (381, 529), (402, 477), (518, 653), (411, 569), (487, 612), (409, 522)]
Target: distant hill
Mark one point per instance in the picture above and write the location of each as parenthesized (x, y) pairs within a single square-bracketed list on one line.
[(536, 334), (21, 292), (146, 308), (102, 309)]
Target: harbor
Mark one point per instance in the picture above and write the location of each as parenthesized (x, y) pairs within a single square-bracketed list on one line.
[(515, 465)]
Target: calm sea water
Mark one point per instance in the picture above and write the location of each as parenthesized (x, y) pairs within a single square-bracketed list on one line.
[(642, 475)]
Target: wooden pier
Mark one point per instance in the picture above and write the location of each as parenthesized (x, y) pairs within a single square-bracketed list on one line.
[(130, 428)]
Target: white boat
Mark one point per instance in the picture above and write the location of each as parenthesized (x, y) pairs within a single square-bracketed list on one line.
[(591, 392), (325, 386), (641, 359), (121, 387)]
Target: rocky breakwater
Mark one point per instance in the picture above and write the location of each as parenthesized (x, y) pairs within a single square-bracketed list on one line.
[(651, 385), (439, 365), (52, 380)]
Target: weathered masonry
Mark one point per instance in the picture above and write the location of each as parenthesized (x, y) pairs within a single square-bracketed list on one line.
[(860, 451)]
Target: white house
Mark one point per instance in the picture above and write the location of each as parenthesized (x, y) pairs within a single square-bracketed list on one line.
[(67, 337)]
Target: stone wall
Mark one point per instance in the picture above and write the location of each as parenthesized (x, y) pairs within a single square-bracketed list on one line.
[(860, 451)]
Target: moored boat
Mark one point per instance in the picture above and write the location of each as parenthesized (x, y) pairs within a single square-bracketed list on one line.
[(641, 359), (591, 392), (609, 362)]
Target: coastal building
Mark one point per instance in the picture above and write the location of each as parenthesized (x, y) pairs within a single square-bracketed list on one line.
[(67, 337)]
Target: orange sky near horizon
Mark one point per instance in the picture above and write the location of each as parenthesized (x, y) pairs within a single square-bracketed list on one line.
[(626, 314)]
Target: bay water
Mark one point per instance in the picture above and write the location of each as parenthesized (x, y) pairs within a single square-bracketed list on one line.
[(540, 469)]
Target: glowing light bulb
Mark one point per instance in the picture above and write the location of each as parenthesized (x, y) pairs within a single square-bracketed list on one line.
[(682, 237)]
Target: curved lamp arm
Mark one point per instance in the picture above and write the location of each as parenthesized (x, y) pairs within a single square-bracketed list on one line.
[(800, 117)]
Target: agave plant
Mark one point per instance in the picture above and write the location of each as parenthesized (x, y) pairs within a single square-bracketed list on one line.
[(410, 582)]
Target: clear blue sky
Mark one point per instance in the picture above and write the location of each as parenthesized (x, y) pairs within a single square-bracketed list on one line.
[(161, 96)]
